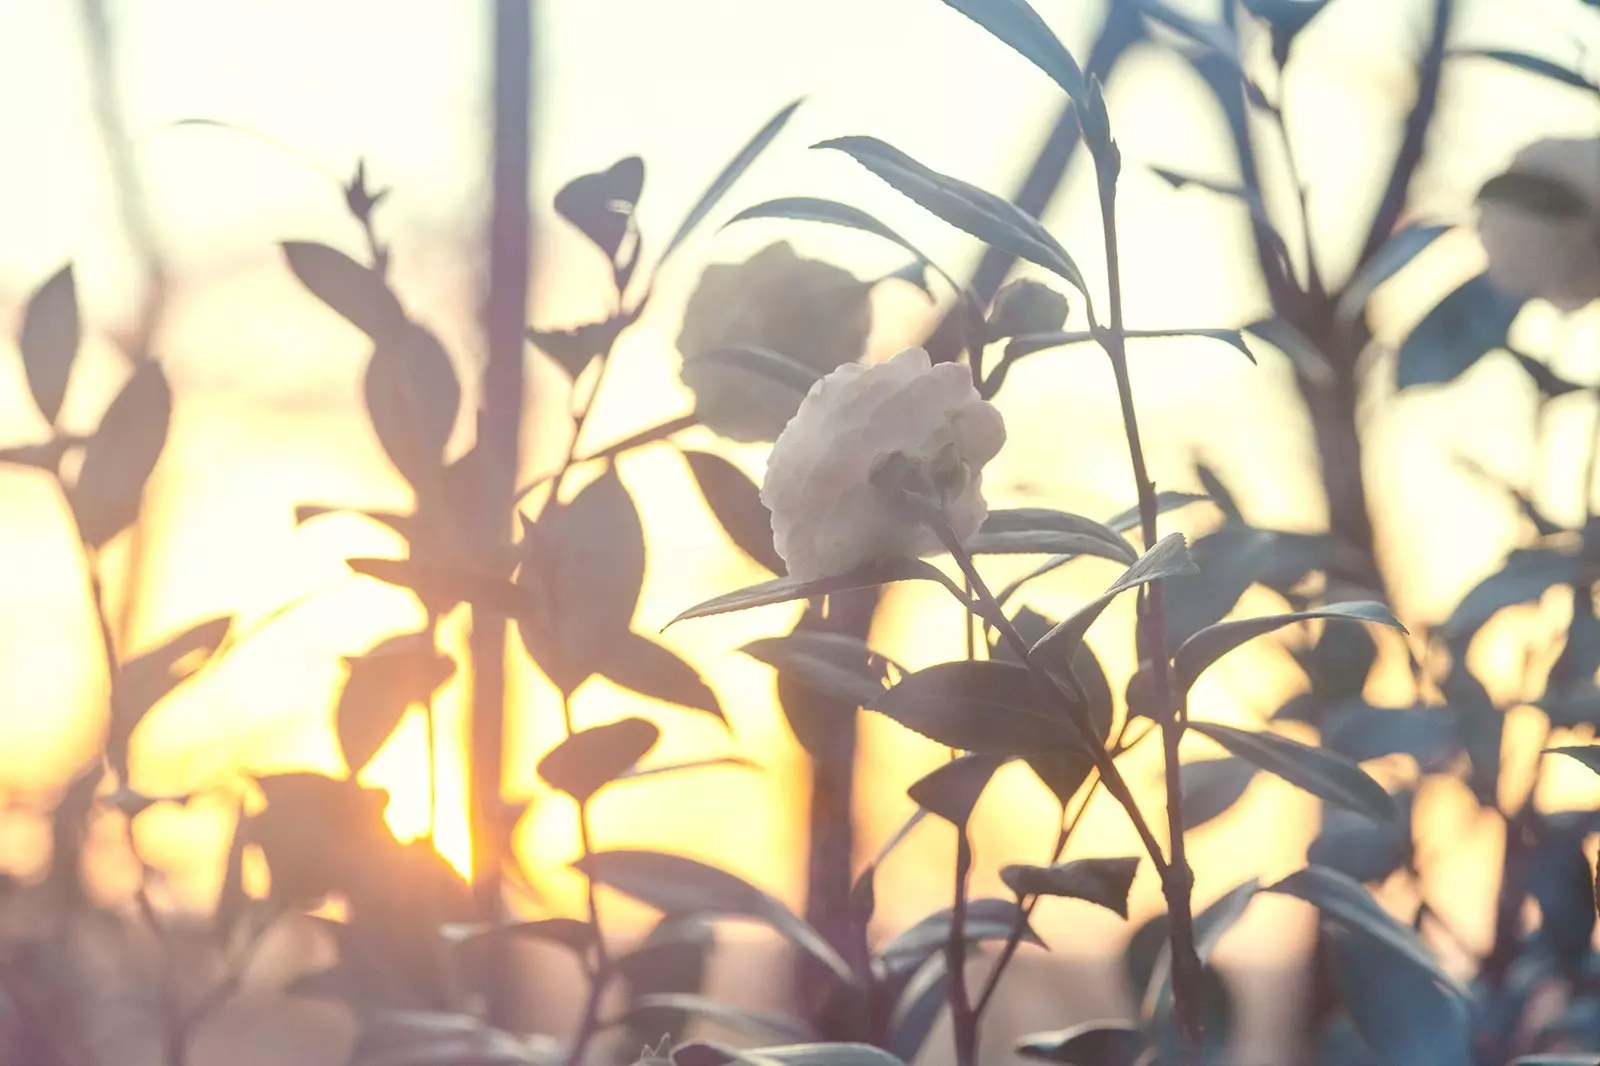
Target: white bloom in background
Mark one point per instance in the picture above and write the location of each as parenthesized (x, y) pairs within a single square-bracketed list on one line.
[(812, 312), (1540, 223), (827, 515)]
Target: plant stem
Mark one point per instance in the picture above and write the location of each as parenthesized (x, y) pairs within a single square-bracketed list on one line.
[(1177, 879), (963, 1018), (589, 1025)]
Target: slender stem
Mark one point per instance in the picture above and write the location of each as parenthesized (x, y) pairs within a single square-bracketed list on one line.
[(1177, 879), (589, 1025), (963, 1018)]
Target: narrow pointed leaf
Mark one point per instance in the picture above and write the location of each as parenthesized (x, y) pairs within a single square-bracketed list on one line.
[(987, 707), (1029, 530), (1104, 882), (1211, 786), (589, 759), (1533, 65), (986, 919), (921, 1001), (1215, 641), (1210, 925), (833, 664), (1169, 557), (49, 341), (1588, 754), (147, 679), (951, 791), (1319, 772), (122, 454), (1391, 257), (787, 589), (735, 501), (1088, 1044), (1019, 27), (354, 290), (650, 669), (811, 209)]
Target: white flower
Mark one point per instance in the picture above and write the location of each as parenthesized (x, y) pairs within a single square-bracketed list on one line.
[(1540, 223), (828, 518)]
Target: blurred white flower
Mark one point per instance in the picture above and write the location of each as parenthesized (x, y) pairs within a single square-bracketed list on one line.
[(1540, 223), (919, 421), (810, 311)]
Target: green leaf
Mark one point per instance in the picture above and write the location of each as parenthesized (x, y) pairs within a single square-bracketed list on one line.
[(811, 209), (758, 1024), (676, 885), (1321, 773), (1039, 530), (989, 218), (1087, 1044), (1533, 65), (1344, 899), (1209, 787), (834, 664), (589, 759), (356, 292), (1104, 882), (650, 669), (119, 459), (987, 707), (951, 791), (1215, 641), (1169, 557), (381, 686), (147, 679), (985, 919), (1588, 754), (1020, 28), (49, 341), (412, 396), (787, 589), (730, 173), (736, 503), (1471, 321), (1390, 258)]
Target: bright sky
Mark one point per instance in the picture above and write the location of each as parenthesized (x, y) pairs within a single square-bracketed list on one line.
[(268, 382)]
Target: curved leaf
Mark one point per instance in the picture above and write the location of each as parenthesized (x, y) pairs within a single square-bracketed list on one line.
[(834, 664), (1471, 321), (381, 686), (787, 589), (1391, 257), (776, 367), (1588, 754), (951, 791), (676, 885), (1528, 573), (413, 397), (1169, 558), (736, 502), (918, 1007), (355, 291), (1021, 29), (1401, 1013), (148, 678), (1029, 530), (601, 204), (989, 218), (49, 341), (1210, 787), (1321, 773), (811, 209), (830, 1054), (1215, 641), (589, 759), (986, 919), (759, 1024), (1104, 882), (441, 588), (987, 707), (1210, 925), (119, 459), (1533, 65), (653, 670), (1088, 1044)]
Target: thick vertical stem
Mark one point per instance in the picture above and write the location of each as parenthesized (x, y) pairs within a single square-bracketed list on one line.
[(1177, 879), (505, 317)]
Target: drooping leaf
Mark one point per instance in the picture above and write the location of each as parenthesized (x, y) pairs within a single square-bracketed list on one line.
[(1030, 530), (786, 589), (1308, 360), (1533, 65), (1086, 1044), (1323, 774), (986, 707), (651, 669), (412, 396), (1104, 882), (119, 459), (736, 503), (985, 919), (148, 678), (730, 173), (49, 340), (1391, 257), (589, 759), (1169, 558), (758, 1024), (1215, 641), (1528, 573), (1019, 27), (677, 885), (810, 209), (951, 791), (356, 292), (1360, 731), (834, 664), (1343, 899), (601, 204), (1471, 321), (1400, 1012), (989, 218), (1210, 787), (381, 686)]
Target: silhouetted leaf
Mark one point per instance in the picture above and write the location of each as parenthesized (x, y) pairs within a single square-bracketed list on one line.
[(589, 759), (724, 181), (1104, 882), (786, 589), (49, 340), (810, 209), (1321, 773), (1400, 1012), (357, 292), (989, 218), (1215, 641), (1588, 754), (381, 686), (1360, 848), (834, 664), (1030, 530), (758, 1024), (1087, 1044), (1020, 28), (1533, 65), (1121, 523), (736, 502), (986, 919), (1210, 925), (119, 459), (775, 367), (1470, 322), (1210, 787), (650, 669), (1360, 732), (148, 678), (987, 707), (711, 762), (1391, 257), (1527, 574), (952, 789), (1343, 899), (1561, 881), (918, 1007), (601, 204), (1226, 563), (678, 885), (317, 833), (673, 958), (1169, 558), (412, 396), (442, 587)]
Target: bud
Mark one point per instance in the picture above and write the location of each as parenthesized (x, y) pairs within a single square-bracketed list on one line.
[(1094, 122), (1024, 307)]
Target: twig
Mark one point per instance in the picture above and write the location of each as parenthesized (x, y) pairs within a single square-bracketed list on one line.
[(589, 1025)]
